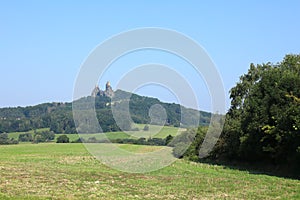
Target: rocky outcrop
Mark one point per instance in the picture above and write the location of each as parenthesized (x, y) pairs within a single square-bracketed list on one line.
[(108, 92), (96, 91)]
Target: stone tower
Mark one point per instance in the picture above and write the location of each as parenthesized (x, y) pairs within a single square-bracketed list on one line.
[(96, 91), (108, 90)]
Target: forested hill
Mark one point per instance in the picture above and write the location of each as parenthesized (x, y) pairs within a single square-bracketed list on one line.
[(59, 117)]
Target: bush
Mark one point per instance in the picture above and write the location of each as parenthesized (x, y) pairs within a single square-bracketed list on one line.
[(186, 137), (5, 140), (179, 149), (92, 140), (168, 139), (142, 141), (63, 139), (156, 141), (188, 143), (44, 136), (146, 128), (26, 137)]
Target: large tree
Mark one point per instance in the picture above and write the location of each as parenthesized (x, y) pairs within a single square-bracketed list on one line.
[(263, 123)]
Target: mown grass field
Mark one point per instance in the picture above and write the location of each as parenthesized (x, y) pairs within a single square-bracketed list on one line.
[(154, 131), (68, 171)]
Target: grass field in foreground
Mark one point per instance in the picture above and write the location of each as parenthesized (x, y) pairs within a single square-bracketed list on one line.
[(67, 171), (154, 131)]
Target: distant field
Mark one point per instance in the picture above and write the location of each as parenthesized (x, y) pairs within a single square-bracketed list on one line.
[(68, 171), (154, 131), (15, 135)]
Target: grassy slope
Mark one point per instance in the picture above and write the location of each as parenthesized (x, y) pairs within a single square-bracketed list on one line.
[(67, 171), (155, 131), (15, 135)]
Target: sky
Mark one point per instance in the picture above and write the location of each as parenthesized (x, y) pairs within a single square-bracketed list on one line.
[(43, 44)]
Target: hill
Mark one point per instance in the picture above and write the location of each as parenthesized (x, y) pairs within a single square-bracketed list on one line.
[(59, 117)]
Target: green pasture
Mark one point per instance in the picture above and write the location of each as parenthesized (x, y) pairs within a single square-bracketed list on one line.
[(68, 171)]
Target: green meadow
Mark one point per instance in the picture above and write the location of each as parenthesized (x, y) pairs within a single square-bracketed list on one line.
[(68, 171)]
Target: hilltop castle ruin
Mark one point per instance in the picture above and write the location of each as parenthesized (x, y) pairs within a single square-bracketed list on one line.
[(108, 92)]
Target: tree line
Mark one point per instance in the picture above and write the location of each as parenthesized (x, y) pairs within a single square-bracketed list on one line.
[(263, 122)]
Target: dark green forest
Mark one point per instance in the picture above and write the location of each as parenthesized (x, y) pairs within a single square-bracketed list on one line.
[(59, 117)]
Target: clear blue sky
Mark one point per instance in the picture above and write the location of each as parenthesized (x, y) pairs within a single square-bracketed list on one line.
[(43, 43)]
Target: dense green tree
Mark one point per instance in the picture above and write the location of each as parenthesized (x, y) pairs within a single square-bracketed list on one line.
[(168, 139), (25, 137), (44, 136), (63, 139), (4, 139), (188, 143), (182, 142), (264, 118)]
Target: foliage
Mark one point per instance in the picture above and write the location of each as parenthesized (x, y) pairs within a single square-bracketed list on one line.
[(5, 140), (92, 140), (263, 122), (59, 117), (142, 141), (25, 137), (188, 143), (62, 139), (139, 141), (169, 139), (44, 136)]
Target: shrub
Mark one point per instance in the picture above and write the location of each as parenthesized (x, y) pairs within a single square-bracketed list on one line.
[(146, 128), (92, 140), (44, 136), (26, 137), (168, 139), (63, 139), (5, 140)]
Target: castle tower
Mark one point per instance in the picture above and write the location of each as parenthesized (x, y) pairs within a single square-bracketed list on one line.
[(96, 91), (108, 90), (107, 85)]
